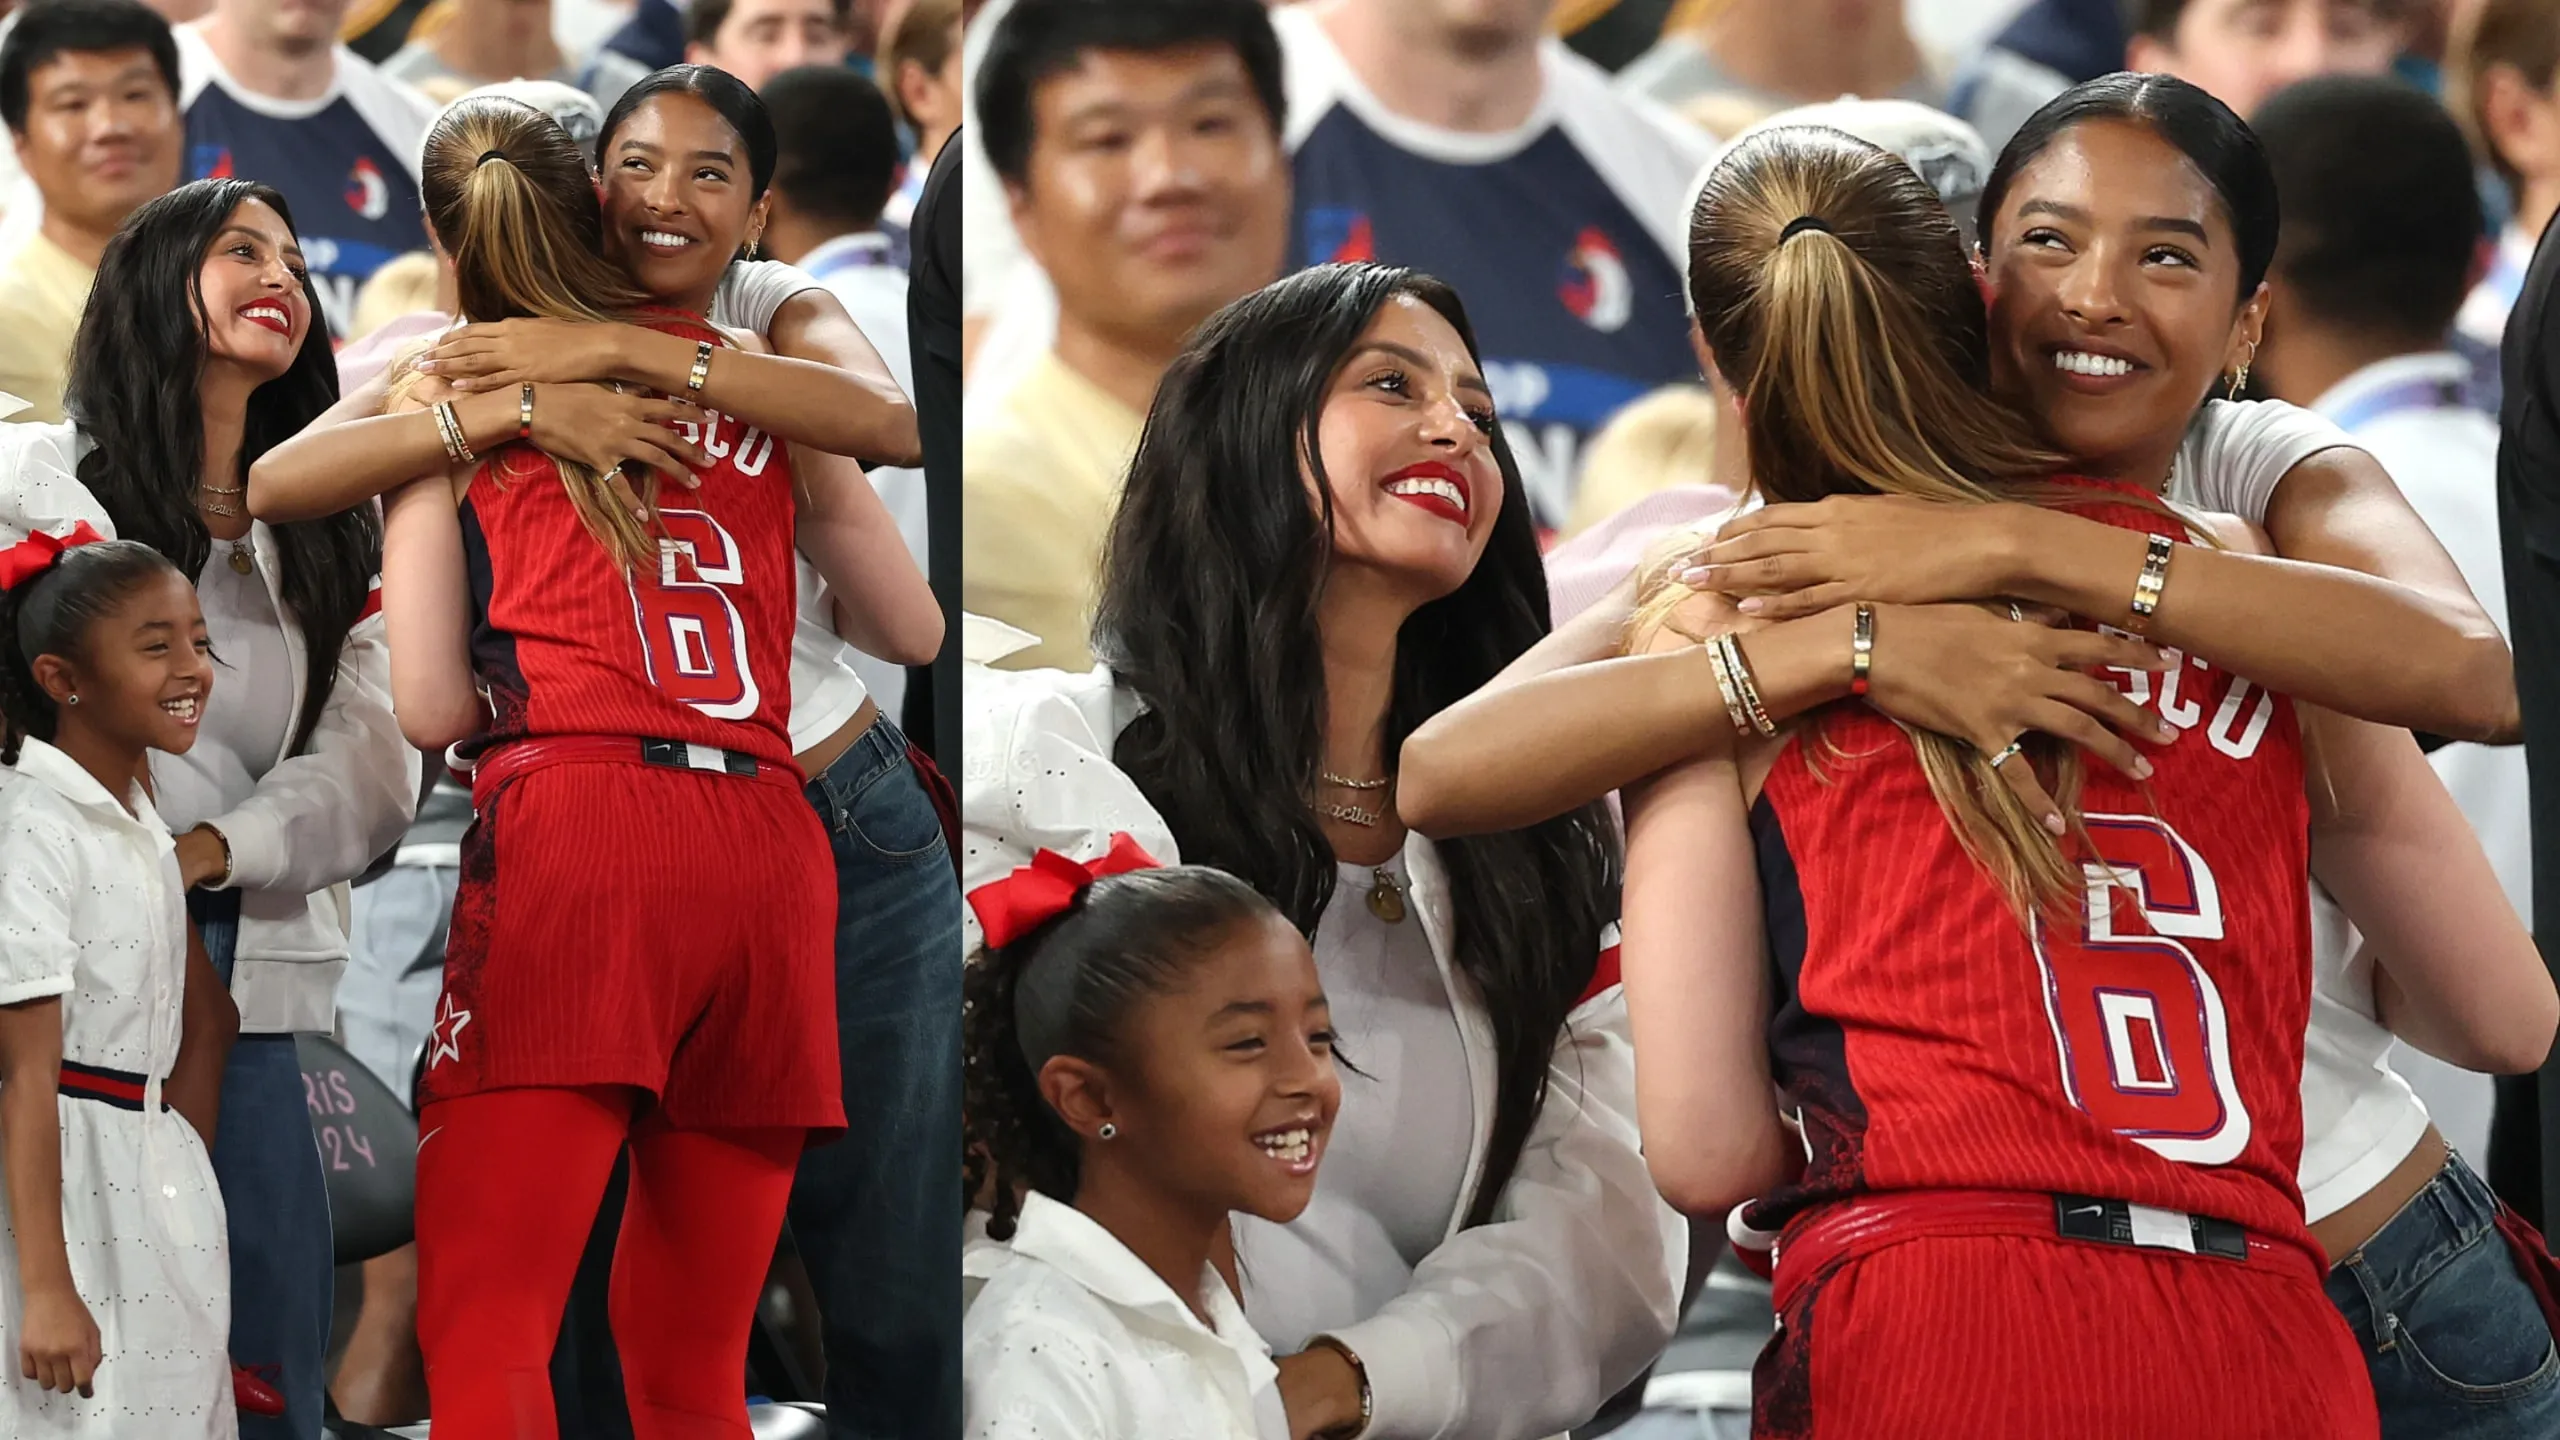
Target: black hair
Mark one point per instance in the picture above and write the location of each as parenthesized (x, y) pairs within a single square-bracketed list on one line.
[(1067, 988), (49, 613), (838, 144), (1209, 588), (1039, 39), (703, 18), (49, 29), (2382, 218), (2159, 18), (715, 87), (136, 367), (2218, 143)]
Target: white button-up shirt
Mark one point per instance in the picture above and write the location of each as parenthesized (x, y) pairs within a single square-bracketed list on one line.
[(1072, 1337)]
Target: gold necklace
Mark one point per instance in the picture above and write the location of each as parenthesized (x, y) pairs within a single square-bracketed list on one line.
[(243, 559), (1348, 814), (1348, 783)]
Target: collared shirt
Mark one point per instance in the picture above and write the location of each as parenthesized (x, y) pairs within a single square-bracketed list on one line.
[(1037, 491), (1072, 1337), (42, 291)]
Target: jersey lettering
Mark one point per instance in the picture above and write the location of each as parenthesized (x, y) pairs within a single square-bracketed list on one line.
[(691, 633)]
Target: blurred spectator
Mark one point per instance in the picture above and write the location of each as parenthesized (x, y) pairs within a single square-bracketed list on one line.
[(1139, 146), (2246, 50), (2050, 46), (2499, 78), (1785, 52), (920, 73), (838, 159), (481, 42), (1611, 33), (89, 91), (651, 40), (270, 96), (406, 285), (1667, 438), (933, 356), (2381, 229), (1460, 138), (756, 40)]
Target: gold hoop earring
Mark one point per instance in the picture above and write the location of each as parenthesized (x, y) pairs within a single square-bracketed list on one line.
[(2239, 382)]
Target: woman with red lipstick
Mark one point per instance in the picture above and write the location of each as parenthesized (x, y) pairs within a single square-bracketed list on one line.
[(1321, 544), (200, 349)]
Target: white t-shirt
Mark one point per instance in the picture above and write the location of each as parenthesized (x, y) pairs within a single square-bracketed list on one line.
[(826, 688), (1397, 1159), (2359, 1119)]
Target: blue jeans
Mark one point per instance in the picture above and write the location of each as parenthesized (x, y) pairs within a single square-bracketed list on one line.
[(283, 1261), (876, 1213), (2457, 1345)]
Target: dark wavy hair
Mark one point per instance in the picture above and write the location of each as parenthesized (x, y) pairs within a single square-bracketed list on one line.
[(1067, 988), (1208, 613), (137, 366), (49, 613)]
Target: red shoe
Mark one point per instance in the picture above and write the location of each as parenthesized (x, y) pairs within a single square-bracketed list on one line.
[(253, 1395)]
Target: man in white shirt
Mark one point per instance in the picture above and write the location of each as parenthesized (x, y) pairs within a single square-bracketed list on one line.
[(2381, 236), (838, 162), (271, 96)]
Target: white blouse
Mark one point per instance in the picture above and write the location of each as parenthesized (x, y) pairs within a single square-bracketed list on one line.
[(1072, 1337)]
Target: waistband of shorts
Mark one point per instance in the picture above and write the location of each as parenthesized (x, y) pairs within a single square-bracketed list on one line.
[(521, 757), (123, 1089), (1819, 1239)]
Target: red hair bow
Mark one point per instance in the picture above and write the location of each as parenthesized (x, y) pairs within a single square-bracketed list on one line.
[(35, 555), (1039, 892)]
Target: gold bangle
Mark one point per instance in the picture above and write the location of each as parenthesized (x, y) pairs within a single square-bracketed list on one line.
[(224, 841), (2148, 585), (1733, 710), (524, 412), (701, 367), (444, 433), (1862, 647), (1360, 1372), (456, 446), (1750, 688)]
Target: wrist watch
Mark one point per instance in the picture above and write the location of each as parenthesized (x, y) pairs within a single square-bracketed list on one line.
[(1359, 1372)]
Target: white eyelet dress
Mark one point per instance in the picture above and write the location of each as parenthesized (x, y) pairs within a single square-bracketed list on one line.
[(91, 911)]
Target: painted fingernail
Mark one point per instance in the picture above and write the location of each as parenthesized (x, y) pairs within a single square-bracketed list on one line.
[(2054, 824), (2141, 768), (1752, 606)]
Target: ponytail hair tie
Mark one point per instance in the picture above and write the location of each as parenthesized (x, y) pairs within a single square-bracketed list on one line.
[(1802, 223), (1048, 887), (33, 558), (488, 155)]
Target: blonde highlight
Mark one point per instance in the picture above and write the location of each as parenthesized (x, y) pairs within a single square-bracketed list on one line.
[(513, 203)]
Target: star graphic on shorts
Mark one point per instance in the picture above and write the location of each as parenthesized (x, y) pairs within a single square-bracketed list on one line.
[(448, 1033)]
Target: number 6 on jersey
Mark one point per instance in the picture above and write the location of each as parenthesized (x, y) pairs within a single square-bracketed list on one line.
[(692, 636), (2143, 1041)]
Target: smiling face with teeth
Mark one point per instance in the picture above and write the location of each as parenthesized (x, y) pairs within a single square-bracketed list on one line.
[(2116, 301), (256, 312), (1407, 440), (1223, 1089), (142, 668), (679, 197)]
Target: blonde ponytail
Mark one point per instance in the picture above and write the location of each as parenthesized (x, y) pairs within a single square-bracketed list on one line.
[(514, 204)]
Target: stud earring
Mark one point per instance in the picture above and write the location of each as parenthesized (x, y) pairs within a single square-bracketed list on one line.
[(73, 698), (1108, 1131)]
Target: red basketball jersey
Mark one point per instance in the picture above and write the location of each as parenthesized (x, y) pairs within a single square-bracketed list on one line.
[(695, 648), (2147, 1047)]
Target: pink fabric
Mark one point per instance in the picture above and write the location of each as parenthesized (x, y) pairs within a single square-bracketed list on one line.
[(370, 356), (1582, 569)]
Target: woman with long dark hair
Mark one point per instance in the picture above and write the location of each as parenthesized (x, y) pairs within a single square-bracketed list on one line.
[(688, 157), (199, 351)]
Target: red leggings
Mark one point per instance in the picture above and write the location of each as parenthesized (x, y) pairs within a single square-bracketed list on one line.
[(508, 1184)]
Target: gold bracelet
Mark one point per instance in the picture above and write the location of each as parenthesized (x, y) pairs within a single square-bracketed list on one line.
[(1862, 647), (2148, 585), (1359, 1371), (224, 841), (701, 367), (1749, 687), (444, 434), (1733, 710), (524, 412), (456, 446)]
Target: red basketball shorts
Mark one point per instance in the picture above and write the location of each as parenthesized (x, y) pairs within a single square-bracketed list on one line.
[(669, 929), (2036, 1337)]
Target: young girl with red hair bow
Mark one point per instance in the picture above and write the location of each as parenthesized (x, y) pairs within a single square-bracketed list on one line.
[(115, 1282), (1147, 1049)]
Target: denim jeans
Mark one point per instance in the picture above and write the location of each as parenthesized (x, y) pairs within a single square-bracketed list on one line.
[(2457, 1345), (876, 1213), (282, 1257)]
